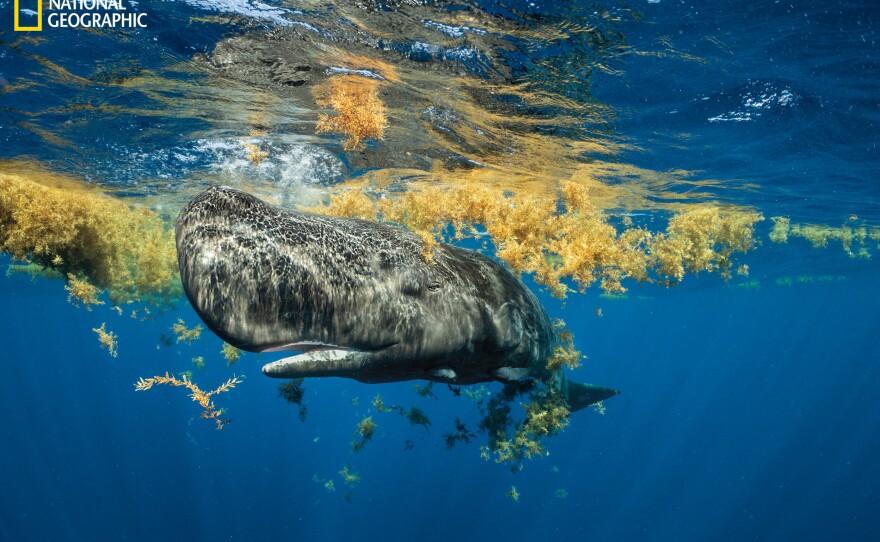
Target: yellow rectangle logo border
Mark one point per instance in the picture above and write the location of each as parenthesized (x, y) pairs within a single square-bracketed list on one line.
[(38, 28)]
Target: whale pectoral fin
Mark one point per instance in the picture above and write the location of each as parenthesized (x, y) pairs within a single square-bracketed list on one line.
[(511, 374), (507, 327), (580, 395)]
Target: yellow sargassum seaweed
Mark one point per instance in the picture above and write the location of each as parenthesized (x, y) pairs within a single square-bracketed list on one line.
[(184, 334), (129, 252), (565, 239), (360, 114), (209, 412), (854, 236), (108, 339), (80, 292), (704, 239)]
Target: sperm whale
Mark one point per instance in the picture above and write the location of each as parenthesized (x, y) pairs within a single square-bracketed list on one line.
[(358, 299)]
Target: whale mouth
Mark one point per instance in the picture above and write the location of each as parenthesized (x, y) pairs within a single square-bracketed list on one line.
[(305, 347), (319, 359)]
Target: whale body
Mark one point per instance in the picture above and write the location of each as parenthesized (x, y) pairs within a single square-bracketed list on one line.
[(359, 300)]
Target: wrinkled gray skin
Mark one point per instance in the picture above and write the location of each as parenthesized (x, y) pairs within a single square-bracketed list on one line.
[(359, 299)]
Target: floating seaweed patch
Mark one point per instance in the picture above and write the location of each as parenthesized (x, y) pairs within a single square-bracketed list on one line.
[(231, 353), (511, 441), (565, 354), (417, 416), (780, 230), (349, 476), (109, 341), (753, 284), (366, 428), (425, 390), (379, 404), (81, 293), (854, 237), (513, 494), (461, 434), (414, 415), (59, 224), (327, 484), (476, 393), (33, 270), (293, 392), (703, 238), (359, 113), (568, 239), (185, 334), (254, 153), (209, 411)]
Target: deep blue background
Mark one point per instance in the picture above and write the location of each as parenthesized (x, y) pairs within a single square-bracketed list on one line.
[(746, 415)]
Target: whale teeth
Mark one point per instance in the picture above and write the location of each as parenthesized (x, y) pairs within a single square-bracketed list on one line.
[(305, 346), (444, 372), (511, 374), (316, 355)]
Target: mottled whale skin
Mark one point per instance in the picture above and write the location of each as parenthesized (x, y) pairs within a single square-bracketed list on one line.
[(358, 298)]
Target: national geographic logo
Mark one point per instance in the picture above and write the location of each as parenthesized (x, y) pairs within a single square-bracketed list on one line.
[(28, 14), (76, 14)]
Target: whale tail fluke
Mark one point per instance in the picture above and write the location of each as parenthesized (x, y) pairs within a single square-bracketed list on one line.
[(580, 395)]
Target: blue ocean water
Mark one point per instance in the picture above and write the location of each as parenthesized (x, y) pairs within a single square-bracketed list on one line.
[(747, 410), (744, 416)]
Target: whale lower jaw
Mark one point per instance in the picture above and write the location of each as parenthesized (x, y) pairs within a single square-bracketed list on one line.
[(322, 359), (318, 362)]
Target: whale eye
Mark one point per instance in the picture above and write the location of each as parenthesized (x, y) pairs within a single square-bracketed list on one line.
[(433, 286), (411, 286)]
